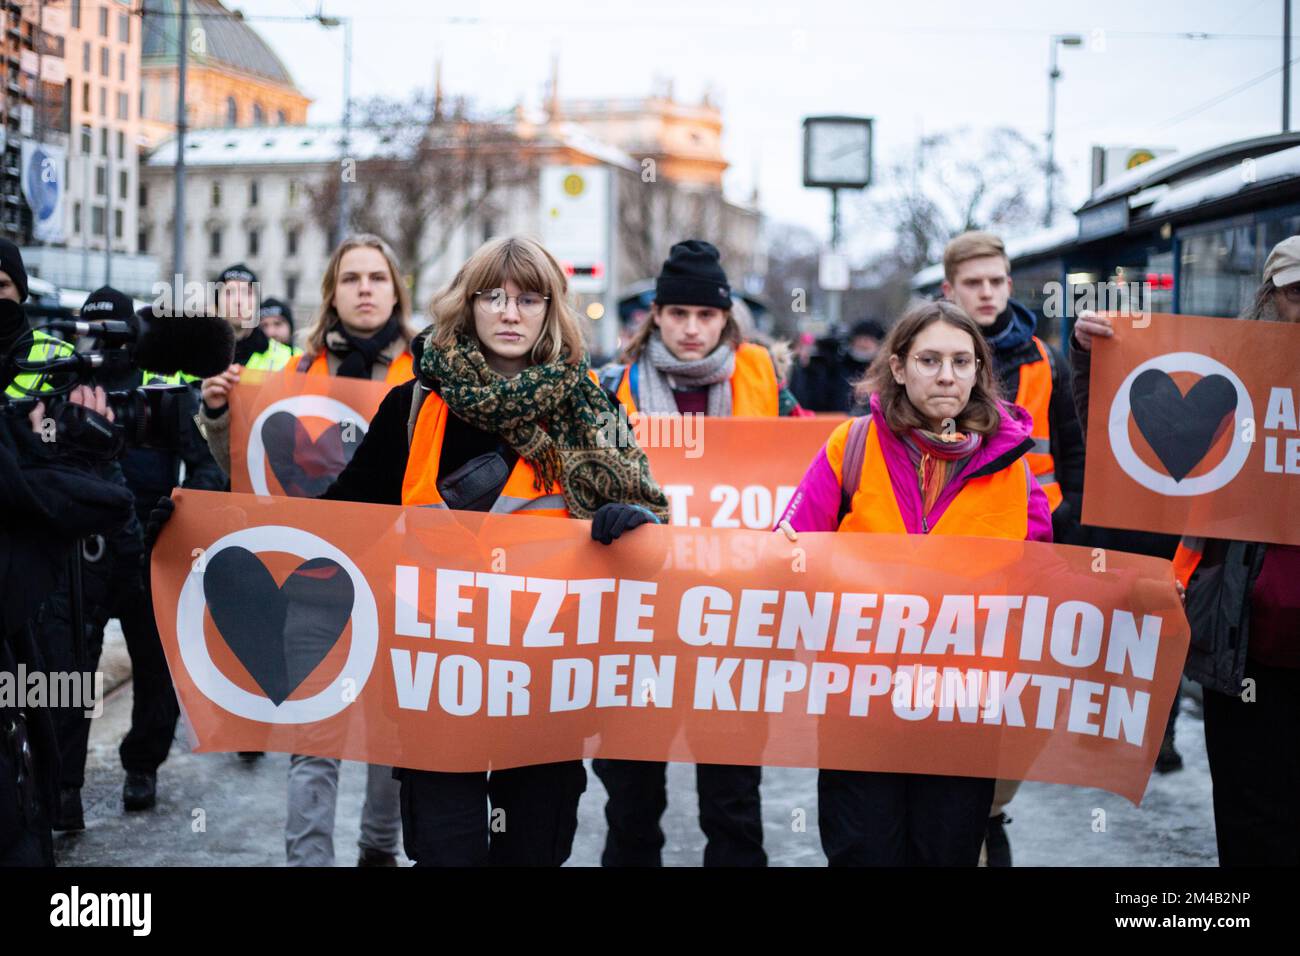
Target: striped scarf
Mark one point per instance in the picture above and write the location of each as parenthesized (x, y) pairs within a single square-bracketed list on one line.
[(936, 457)]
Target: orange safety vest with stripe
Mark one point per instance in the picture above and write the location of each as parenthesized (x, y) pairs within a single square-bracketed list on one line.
[(420, 483), (401, 369), (754, 389), (1035, 396), (990, 506)]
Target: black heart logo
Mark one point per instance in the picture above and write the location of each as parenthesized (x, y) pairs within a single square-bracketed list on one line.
[(280, 634), (1180, 428), (305, 468)]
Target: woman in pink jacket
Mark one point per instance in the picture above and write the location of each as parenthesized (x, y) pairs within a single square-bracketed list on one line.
[(940, 453)]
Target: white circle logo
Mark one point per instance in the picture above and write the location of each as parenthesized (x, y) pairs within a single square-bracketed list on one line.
[(1144, 474), (300, 406), (228, 695)]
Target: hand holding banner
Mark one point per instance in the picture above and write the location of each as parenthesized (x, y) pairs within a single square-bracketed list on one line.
[(462, 641)]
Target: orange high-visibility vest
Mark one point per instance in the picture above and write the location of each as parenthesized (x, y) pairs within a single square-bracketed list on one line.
[(1035, 396), (754, 390), (420, 483), (401, 369), (1187, 558), (991, 506)]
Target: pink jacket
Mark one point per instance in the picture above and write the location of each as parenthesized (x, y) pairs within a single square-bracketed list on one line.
[(816, 502)]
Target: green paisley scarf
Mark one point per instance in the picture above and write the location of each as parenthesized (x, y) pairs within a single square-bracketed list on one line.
[(558, 419)]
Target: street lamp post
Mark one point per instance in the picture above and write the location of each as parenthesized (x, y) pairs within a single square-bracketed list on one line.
[(345, 197), (178, 204), (1054, 74)]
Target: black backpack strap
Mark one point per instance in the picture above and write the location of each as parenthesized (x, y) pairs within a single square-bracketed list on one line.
[(855, 450), (610, 377), (304, 363)]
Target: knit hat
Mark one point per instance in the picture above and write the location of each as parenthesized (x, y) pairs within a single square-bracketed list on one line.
[(237, 273), (692, 275), (274, 308), (107, 303), (11, 263)]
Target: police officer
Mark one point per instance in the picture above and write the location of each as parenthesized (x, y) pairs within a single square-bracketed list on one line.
[(237, 303)]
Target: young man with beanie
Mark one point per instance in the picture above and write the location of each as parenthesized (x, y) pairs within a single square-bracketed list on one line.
[(276, 319), (688, 358), (254, 349), (977, 277)]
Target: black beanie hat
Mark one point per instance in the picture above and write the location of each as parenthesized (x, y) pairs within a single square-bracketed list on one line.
[(692, 275), (237, 273), (11, 263), (274, 307), (107, 303)]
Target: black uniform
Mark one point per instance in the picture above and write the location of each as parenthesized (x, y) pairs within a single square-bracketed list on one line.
[(151, 474)]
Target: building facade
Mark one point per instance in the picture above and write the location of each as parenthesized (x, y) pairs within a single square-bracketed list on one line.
[(232, 78)]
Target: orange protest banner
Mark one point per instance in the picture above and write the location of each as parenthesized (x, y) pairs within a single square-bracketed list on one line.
[(461, 641), (292, 434), (1192, 428)]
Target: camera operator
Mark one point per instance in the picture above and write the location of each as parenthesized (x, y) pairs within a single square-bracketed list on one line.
[(52, 500), (70, 624), (151, 473)]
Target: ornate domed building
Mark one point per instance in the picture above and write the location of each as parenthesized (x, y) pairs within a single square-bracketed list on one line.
[(232, 77)]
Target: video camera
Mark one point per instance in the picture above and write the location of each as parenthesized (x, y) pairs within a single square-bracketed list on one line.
[(38, 367)]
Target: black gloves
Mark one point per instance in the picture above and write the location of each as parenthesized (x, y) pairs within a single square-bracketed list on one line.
[(160, 515), (611, 520)]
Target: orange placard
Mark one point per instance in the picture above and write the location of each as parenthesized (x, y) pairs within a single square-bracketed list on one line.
[(462, 641), (292, 434), (1192, 428)]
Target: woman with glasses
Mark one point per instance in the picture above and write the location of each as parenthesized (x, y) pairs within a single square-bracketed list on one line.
[(362, 330), (940, 453), (504, 416)]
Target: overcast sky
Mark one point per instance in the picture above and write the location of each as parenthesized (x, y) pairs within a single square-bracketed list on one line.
[(915, 66)]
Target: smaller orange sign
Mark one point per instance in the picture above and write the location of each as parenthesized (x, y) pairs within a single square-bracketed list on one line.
[(1192, 428)]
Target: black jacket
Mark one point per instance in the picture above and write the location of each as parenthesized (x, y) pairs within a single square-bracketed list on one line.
[(48, 501), (1063, 421), (826, 383), (375, 472)]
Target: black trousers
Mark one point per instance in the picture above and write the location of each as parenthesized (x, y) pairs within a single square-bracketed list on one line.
[(532, 820), (902, 819), (1254, 753), (730, 813), (63, 657), (154, 710)]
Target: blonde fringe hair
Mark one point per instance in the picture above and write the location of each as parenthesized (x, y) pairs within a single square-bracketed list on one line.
[(972, 245), (529, 266), (327, 318)]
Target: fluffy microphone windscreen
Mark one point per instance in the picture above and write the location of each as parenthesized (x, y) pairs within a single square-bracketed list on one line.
[(202, 345)]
